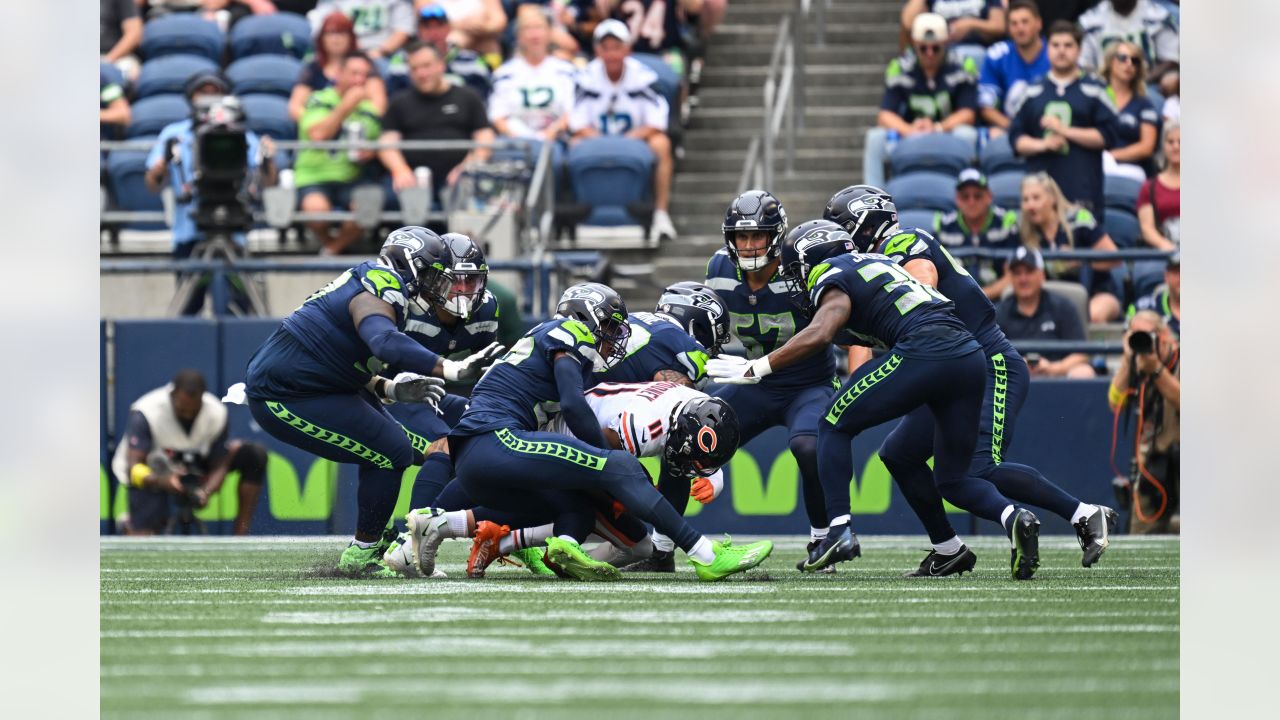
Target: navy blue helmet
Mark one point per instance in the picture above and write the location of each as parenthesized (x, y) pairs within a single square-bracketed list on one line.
[(805, 247), (700, 312), (469, 275), (866, 212), (421, 259), (755, 210), (601, 309)]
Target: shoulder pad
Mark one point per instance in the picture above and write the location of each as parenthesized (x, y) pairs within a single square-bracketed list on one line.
[(384, 284)]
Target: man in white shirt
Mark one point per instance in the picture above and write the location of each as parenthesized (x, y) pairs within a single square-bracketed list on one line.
[(533, 91), (615, 97)]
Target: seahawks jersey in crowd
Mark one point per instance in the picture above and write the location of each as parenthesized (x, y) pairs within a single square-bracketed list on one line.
[(657, 343), (465, 337), (654, 24), (532, 97), (1006, 76), (911, 95), (617, 108), (765, 320)]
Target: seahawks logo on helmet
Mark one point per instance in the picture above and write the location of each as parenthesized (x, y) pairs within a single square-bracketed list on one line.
[(581, 292), (405, 240)]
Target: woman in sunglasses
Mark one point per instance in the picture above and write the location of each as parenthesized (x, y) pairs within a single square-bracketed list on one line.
[(1124, 69)]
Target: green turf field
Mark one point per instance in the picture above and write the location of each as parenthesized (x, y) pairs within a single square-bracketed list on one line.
[(259, 628)]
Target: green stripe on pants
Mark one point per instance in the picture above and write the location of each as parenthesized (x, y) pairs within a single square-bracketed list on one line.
[(550, 449), (865, 383), (342, 441), (997, 405)]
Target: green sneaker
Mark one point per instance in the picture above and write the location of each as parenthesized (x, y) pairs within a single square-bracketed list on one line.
[(364, 563), (571, 559), (385, 542), (532, 559), (731, 559)]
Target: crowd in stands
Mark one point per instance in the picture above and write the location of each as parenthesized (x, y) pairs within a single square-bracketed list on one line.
[(550, 71)]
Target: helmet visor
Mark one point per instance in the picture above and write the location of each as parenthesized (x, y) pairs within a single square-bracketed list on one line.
[(465, 292)]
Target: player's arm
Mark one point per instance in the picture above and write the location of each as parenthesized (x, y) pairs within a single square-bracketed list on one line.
[(220, 464), (833, 312), (574, 408), (673, 376), (923, 270), (374, 320)]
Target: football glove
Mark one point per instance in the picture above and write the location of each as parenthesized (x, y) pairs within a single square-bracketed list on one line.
[(473, 366), (414, 388), (706, 489), (733, 370)]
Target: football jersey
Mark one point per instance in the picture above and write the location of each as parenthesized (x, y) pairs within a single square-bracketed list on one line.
[(1148, 26), (1005, 77), (658, 343), (617, 108), (763, 321), (971, 304), (464, 338), (891, 309), (532, 97), (911, 95), (374, 20), (999, 229), (956, 9), (519, 391), (654, 24)]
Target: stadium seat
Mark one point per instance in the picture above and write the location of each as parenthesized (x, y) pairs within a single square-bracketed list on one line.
[(1123, 227), (273, 74), (668, 80), (997, 157), (1121, 192), (168, 74), (1071, 290), (150, 115), (269, 115), (1006, 189), (609, 173), (112, 73), (916, 218), (126, 170), (275, 34), (923, 191), (182, 34), (933, 152)]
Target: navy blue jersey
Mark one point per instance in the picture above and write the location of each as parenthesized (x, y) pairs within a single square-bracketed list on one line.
[(658, 343), (464, 338), (519, 391), (765, 320), (323, 326), (654, 24), (891, 309), (971, 304), (911, 95), (998, 229)]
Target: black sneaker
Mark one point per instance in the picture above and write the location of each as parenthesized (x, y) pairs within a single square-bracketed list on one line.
[(836, 547), (1094, 534), (812, 549), (661, 561), (1024, 558), (936, 564)]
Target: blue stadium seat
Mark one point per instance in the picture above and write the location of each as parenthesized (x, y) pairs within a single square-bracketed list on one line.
[(126, 169), (1123, 228), (1006, 188), (923, 191), (1121, 192), (668, 80), (182, 34), (916, 218), (168, 74), (275, 34), (933, 152), (609, 173), (150, 115), (269, 115), (273, 74), (112, 73), (997, 156)]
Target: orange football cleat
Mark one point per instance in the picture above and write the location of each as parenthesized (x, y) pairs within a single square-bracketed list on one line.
[(484, 548)]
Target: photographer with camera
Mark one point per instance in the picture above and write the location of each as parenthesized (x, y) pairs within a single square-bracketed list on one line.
[(208, 161), (175, 453), (1148, 381)]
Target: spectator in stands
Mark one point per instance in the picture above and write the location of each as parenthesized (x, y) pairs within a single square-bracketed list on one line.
[(969, 22), (1138, 121), (433, 109), (615, 97), (1159, 200), (1031, 312), (462, 66), (325, 178), (381, 26), (113, 107), (1065, 123), (977, 222), (1166, 300), (335, 39), (475, 25), (1148, 380), (1012, 65), (120, 34), (297, 7), (1144, 23), (655, 26), (533, 91), (175, 451), (224, 13), (923, 93), (1049, 222), (1051, 11)]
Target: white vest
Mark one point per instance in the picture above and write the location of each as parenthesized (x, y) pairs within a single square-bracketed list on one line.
[(167, 433)]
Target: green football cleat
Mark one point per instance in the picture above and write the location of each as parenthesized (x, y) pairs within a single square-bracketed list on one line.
[(361, 562), (571, 559), (731, 559), (532, 559)]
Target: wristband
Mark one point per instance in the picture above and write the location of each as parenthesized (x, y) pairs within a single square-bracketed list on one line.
[(760, 367), (138, 474)]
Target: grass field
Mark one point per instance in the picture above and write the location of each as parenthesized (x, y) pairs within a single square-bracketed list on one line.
[(221, 628)]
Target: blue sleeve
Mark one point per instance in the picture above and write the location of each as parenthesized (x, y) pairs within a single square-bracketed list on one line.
[(252, 141), (1018, 125), (394, 347), (573, 406), (990, 84), (138, 433)]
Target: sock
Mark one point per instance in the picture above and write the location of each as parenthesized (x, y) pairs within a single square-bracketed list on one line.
[(457, 524), (568, 539), (841, 520), (701, 551), (950, 547), (1004, 516), (1082, 512), (663, 543), (818, 533), (363, 545), (524, 538)]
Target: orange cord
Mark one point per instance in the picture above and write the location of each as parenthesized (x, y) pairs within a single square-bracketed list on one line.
[(1142, 470)]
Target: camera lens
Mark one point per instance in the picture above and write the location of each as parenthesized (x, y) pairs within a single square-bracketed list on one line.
[(1142, 342)]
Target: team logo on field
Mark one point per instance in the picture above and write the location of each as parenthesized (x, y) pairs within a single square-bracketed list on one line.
[(707, 439)]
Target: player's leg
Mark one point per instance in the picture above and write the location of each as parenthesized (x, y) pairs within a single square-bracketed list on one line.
[(802, 415), (249, 459)]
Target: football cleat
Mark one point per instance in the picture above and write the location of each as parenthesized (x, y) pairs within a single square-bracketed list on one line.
[(533, 560), (399, 557), (836, 547), (811, 549), (661, 561), (571, 560), (384, 543), (484, 547), (1094, 533), (358, 562), (730, 559), (425, 535), (936, 564), (1024, 557)]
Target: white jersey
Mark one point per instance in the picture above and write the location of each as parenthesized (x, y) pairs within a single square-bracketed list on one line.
[(168, 433), (617, 108), (374, 20), (532, 97), (1149, 26)]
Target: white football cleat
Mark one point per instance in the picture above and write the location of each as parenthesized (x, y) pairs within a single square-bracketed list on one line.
[(425, 536)]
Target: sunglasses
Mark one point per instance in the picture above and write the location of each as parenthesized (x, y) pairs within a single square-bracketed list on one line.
[(1127, 58), (929, 49)]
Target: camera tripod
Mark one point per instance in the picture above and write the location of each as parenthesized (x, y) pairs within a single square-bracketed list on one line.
[(232, 293)]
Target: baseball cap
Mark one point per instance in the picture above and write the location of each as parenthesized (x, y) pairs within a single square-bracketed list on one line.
[(971, 176), (433, 12), (611, 28), (203, 78), (1175, 260), (1027, 257), (929, 27)]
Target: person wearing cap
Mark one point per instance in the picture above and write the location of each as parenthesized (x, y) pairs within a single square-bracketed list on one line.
[(615, 96), (1031, 312), (463, 67), (382, 26), (1011, 65), (1166, 300), (475, 25), (533, 92), (977, 222), (923, 93)]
